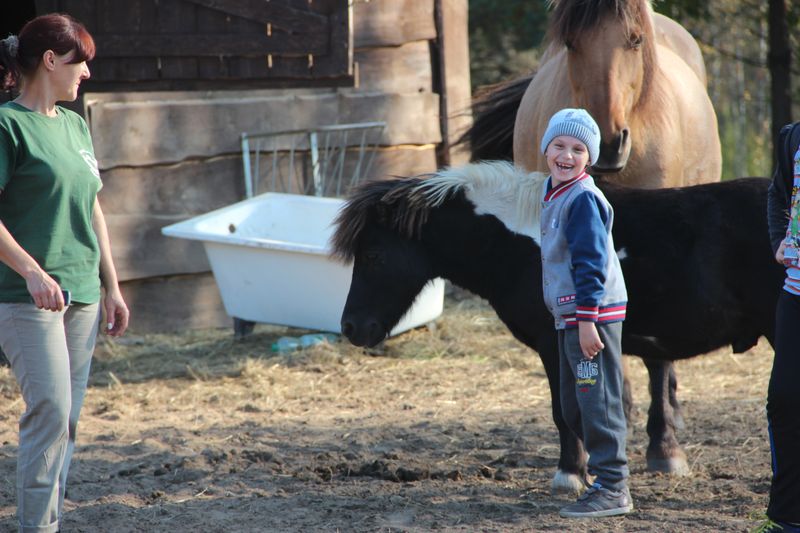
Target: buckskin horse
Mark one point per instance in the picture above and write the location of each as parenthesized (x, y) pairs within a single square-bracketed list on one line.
[(641, 76)]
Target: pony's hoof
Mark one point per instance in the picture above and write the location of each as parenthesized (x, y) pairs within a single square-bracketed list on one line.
[(567, 484), (676, 466)]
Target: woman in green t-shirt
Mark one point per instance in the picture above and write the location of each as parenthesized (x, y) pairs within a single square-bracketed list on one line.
[(54, 255)]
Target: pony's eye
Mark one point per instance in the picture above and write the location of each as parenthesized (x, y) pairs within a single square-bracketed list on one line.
[(372, 259), (635, 41), (569, 45)]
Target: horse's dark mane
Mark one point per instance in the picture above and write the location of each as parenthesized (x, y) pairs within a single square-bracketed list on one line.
[(571, 18), (574, 17), (399, 203), (494, 110)]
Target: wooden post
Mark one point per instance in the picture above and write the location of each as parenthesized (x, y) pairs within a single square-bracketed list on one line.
[(451, 77)]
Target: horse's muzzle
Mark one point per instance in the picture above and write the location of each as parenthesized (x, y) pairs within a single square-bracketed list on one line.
[(614, 155), (366, 333)]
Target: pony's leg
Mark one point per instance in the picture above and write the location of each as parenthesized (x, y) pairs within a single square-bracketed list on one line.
[(664, 454), (677, 409), (571, 476)]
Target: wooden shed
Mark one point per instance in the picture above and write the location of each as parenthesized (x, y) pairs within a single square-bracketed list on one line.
[(175, 83)]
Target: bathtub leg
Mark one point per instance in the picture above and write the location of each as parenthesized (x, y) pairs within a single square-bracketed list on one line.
[(242, 328)]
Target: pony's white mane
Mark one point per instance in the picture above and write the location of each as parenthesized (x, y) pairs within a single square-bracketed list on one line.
[(497, 188)]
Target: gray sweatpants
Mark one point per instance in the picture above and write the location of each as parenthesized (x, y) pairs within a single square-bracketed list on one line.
[(591, 402), (50, 354)]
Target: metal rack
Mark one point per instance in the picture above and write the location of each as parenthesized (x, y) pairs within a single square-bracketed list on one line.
[(321, 161)]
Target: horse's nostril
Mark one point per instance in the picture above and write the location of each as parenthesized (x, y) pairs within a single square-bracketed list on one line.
[(623, 139)]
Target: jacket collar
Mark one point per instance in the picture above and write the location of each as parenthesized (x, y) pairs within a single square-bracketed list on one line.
[(563, 187)]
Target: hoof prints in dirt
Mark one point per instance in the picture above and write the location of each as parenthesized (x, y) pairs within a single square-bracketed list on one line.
[(390, 470), (323, 467)]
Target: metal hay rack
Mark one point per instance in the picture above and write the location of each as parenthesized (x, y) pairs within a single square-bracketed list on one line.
[(321, 161)]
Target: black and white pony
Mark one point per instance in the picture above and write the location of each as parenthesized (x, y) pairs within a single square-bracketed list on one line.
[(697, 264)]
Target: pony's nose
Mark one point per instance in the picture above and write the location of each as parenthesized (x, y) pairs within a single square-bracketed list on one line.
[(367, 332)]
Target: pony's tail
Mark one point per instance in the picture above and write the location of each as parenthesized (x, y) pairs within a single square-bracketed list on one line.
[(494, 110)]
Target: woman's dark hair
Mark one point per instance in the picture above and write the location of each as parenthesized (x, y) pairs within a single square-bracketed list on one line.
[(20, 55)]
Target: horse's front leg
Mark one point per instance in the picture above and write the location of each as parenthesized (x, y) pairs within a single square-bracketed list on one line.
[(664, 454), (677, 410), (571, 476)]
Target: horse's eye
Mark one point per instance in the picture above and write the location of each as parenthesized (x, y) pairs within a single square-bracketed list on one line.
[(635, 41), (569, 45)]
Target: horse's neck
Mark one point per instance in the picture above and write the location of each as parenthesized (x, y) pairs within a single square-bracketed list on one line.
[(476, 252)]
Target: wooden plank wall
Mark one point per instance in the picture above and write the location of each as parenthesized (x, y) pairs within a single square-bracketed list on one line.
[(168, 156), (164, 45)]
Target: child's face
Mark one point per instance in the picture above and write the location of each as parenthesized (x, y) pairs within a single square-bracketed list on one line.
[(566, 158)]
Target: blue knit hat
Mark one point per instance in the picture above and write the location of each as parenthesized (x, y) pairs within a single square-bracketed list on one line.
[(576, 123)]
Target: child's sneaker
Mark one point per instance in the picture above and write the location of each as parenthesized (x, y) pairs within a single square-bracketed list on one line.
[(599, 501)]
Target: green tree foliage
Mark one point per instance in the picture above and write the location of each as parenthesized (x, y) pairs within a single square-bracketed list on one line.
[(505, 36)]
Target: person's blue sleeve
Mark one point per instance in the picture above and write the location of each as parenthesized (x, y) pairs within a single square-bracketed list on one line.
[(587, 239)]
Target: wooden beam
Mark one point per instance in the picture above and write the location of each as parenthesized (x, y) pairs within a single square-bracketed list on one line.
[(453, 43), (175, 303), (209, 45), (392, 22), (396, 69), (162, 131), (140, 250), (184, 189), (278, 14), (202, 185)]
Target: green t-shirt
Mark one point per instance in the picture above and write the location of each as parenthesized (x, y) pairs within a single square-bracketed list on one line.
[(49, 181)]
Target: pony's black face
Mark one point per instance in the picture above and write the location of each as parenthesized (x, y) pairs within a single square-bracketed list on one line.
[(389, 271)]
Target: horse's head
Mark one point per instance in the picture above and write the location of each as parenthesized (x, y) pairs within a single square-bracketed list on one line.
[(610, 59), (377, 230)]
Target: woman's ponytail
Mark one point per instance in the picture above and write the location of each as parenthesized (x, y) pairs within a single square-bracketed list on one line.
[(9, 63)]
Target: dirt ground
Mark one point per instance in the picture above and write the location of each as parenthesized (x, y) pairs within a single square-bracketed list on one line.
[(441, 429)]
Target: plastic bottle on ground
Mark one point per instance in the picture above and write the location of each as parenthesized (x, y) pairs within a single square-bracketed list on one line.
[(290, 344)]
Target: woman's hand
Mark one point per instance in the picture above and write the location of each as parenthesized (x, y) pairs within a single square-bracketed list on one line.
[(44, 290), (115, 313), (589, 339)]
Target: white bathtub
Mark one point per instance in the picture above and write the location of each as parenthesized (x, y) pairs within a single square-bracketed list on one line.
[(269, 256)]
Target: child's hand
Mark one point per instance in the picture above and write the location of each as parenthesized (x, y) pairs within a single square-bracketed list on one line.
[(589, 339)]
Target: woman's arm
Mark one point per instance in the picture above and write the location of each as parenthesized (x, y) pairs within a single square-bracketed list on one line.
[(116, 312), (44, 290)]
